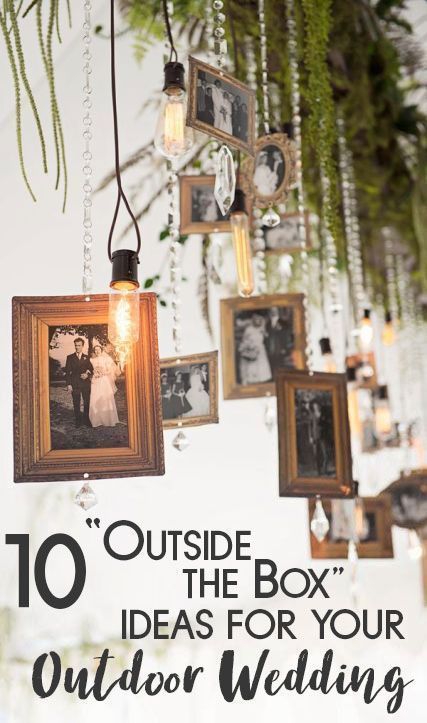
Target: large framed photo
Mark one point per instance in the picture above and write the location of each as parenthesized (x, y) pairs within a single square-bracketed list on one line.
[(221, 106), (271, 173), (375, 540), (284, 238), (260, 335), (189, 387), (409, 499), (199, 210), (77, 412), (314, 435), (365, 369)]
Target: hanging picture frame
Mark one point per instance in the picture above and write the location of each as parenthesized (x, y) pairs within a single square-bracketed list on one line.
[(189, 387), (221, 106), (260, 334), (314, 435), (269, 175), (376, 541), (366, 370), (409, 499), (284, 238), (199, 211), (74, 417)]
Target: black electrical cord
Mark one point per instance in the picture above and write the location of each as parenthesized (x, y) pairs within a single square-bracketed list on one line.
[(120, 193), (169, 32)]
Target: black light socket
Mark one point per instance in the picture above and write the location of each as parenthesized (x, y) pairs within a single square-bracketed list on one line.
[(388, 317), (325, 345), (351, 374), (383, 391), (174, 76), (124, 276), (239, 203), (366, 313)]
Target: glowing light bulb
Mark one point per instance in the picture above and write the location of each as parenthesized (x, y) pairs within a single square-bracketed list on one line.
[(383, 422), (388, 334), (329, 364), (366, 332), (123, 322), (242, 245), (353, 403), (173, 138)]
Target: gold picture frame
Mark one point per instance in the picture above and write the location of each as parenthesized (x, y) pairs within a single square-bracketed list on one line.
[(234, 386), (288, 248), (379, 543), (200, 71), (188, 223), (258, 183), (408, 496), (175, 365), (312, 413), (35, 321)]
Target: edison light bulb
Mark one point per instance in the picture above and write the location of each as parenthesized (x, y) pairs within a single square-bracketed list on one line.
[(383, 423), (388, 334), (173, 138), (123, 309), (366, 332), (242, 245), (329, 364)]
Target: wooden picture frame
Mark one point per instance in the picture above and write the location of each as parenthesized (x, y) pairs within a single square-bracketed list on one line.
[(270, 186), (234, 313), (36, 321), (179, 364), (188, 224), (321, 406), (409, 499), (356, 361), (289, 248), (378, 545), (204, 72)]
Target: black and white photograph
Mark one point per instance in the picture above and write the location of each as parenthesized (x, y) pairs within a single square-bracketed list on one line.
[(260, 335), (221, 106), (87, 389), (315, 433), (409, 499), (271, 173), (285, 237), (189, 390), (199, 211), (269, 170)]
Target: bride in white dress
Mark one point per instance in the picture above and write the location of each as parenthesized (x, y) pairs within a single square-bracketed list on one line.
[(197, 396), (102, 408)]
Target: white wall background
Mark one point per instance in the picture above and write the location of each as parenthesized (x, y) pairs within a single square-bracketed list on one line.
[(227, 479)]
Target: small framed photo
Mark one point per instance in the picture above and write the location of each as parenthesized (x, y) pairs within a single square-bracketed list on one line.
[(260, 335), (200, 212), (375, 540), (189, 387), (221, 106), (76, 410), (409, 499), (366, 370), (271, 173), (284, 238), (314, 435)]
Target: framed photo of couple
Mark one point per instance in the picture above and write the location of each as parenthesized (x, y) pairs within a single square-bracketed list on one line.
[(259, 336), (77, 412), (221, 106), (189, 387)]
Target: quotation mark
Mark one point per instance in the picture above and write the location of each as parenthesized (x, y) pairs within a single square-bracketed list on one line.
[(336, 570), (96, 522)]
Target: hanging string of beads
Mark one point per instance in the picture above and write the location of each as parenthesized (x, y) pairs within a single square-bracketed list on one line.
[(390, 275), (264, 67), (405, 356), (87, 280)]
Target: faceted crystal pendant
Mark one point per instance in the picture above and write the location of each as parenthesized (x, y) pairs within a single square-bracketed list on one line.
[(319, 524), (271, 218), (352, 551), (225, 180), (86, 497), (180, 442), (270, 416)]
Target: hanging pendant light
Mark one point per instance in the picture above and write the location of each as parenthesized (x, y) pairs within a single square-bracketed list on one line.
[(353, 402), (388, 334), (366, 332), (383, 422), (242, 244), (329, 364), (123, 313), (173, 138)]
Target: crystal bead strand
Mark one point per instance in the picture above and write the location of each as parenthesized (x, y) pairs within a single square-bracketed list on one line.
[(86, 497), (87, 280), (264, 69), (390, 274), (330, 255), (404, 356)]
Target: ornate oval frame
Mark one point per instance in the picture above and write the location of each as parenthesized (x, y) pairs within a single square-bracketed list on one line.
[(288, 151)]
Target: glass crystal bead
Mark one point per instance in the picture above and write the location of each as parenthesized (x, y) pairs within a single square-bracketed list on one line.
[(271, 218), (219, 32), (352, 552), (218, 4), (86, 497), (225, 180), (219, 19), (180, 442), (220, 47), (319, 524)]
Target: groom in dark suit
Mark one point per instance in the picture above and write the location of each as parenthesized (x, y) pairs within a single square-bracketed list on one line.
[(78, 372)]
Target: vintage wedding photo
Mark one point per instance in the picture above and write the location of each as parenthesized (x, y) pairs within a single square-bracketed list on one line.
[(221, 106), (86, 389), (269, 170), (199, 210), (315, 433), (189, 390), (285, 238)]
